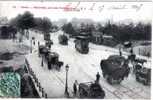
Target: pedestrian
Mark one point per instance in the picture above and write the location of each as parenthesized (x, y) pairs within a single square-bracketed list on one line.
[(38, 49), (97, 77), (75, 87), (38, 43), (120, 51), (42, 62), (131, 51), (34, 42)]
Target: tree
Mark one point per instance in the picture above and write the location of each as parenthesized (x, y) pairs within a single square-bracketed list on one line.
[(38, 23), (68, 28), (100, 28), (46, 25), (25, 22)]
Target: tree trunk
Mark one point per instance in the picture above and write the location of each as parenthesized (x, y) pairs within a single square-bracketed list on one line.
[(27, 34), (21, 35)]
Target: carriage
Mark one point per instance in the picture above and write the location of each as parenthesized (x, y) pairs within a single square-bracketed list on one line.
[(53, 61), (91, 90), (115, 69), (132, 57), (43, 50), (82, 44), (143, 75), (51, 58)]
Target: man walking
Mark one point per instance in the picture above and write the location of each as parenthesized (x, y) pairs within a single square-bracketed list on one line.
[(75, 87), (120, 51)]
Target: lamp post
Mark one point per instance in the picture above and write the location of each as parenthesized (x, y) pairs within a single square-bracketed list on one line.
[(66, 84), (31, 46)]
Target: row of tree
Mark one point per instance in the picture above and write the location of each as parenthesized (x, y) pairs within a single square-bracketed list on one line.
[(70, 29), (27, 21), (120, 32), (123, 32)]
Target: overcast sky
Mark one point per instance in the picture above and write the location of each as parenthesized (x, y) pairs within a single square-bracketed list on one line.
[(101, 11)]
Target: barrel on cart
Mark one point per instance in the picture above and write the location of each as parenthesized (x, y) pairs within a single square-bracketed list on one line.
[(115, 69)]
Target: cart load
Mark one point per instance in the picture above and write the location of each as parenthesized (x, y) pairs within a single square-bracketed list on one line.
[(53, 61), (115, 69)]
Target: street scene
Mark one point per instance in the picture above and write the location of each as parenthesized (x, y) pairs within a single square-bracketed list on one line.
[(72, 55)]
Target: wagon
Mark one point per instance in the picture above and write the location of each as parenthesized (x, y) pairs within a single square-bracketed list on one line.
[(53, 61), (115, 69), (143, 75), (91, 90)]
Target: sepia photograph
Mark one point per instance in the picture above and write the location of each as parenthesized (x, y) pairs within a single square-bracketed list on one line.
[(75, 50)]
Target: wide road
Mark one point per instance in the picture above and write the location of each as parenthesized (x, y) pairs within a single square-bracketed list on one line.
[(82, 68)]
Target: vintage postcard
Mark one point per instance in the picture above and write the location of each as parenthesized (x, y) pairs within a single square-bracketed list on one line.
[(76, 50)]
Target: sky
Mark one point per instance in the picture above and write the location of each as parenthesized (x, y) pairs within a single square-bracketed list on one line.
[(97, 11)]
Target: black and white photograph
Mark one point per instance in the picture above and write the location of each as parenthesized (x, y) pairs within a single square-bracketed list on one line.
[(75, 50)]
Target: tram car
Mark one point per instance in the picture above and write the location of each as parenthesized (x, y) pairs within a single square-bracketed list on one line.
[(115, 69), (53, 61), (63, 39), (91, 90), (82, 44), (143, 74)]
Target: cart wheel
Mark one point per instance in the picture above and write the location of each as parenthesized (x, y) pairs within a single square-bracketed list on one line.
[(119, 81), (145, 82), (110, 80)]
